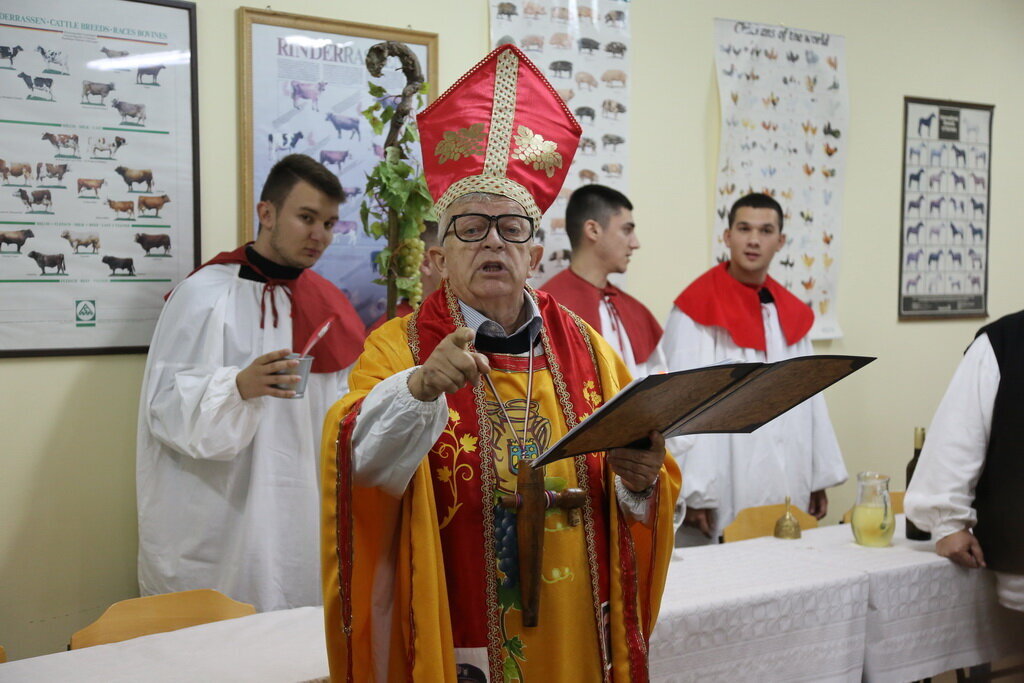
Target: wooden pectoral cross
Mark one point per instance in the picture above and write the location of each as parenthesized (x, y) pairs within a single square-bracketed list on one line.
[(530, 501)]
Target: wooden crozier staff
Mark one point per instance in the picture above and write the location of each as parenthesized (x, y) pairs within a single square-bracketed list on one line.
[(376, 58), (530, 501)]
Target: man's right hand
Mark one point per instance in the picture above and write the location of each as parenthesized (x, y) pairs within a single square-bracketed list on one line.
[(259, 379), (702, 520), (450, 367), (963, 548)]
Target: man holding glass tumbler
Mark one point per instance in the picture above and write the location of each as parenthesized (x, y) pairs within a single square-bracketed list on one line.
[(227, 452)]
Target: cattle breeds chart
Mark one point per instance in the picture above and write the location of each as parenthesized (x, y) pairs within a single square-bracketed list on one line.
[(944, 226), (785, 108), (96, 172), (583, 49)]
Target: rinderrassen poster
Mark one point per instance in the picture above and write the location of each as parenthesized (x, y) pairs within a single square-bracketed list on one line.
[(304, 90)]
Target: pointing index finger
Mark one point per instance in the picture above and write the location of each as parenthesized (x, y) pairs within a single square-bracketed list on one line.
[(463, 337)]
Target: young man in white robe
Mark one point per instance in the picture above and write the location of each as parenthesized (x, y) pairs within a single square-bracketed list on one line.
[(602, 232), (737, 312), (227, 459), (967, 486)]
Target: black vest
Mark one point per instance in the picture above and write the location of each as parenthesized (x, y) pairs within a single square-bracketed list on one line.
[(999, 498)]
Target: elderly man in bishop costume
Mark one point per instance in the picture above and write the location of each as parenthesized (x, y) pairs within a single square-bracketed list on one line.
[(422, 511)]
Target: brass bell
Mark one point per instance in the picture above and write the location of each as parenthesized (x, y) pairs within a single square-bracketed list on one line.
[(787, 526)]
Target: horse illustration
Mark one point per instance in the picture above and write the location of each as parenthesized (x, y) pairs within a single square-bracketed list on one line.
[(915, 204), (935, 205), (915, 178), (977, 207), (925, 122), (961, 154)]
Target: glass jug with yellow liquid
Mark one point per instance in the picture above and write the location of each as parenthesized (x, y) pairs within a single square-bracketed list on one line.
[(873, 520)]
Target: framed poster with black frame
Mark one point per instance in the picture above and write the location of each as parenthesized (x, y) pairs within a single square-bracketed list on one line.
[(944, 214), (99, 208), (312, 89)]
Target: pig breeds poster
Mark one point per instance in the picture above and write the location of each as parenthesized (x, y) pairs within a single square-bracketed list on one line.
[(584, 50)]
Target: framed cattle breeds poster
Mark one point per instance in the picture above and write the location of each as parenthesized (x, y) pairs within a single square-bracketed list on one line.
[(99, 204), (944, 213), (304, 88)]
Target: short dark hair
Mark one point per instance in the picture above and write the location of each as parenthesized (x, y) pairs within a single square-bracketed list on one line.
[(592, 202), (755, 200), (293, 168)]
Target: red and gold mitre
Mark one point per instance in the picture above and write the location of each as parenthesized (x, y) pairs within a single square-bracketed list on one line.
[(501, 129)]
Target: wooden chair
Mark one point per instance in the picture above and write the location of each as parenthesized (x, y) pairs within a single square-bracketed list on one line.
[(3, 655), (159, 614), (760, 521), (895, 498)]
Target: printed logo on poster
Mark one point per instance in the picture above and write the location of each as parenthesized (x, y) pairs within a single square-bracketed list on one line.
[(949, 124), (85, 313)]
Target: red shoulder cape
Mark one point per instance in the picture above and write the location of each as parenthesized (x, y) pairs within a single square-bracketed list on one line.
[(718, 299), (583, 298), (314, 300)]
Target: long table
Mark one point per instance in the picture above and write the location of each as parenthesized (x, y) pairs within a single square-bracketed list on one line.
[(816, 609), (926, 615), (918, 614)]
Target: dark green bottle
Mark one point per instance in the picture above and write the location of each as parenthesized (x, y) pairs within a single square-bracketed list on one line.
[(913, 533)]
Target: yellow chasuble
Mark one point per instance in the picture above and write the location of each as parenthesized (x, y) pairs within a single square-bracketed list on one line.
[(397, 553)]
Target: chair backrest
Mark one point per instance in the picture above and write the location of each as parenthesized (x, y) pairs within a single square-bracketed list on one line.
[(760, 521), (3, 654), (158, 614), (895, 499)]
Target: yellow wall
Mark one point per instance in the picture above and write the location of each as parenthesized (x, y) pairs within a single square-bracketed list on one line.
[(67, 503)]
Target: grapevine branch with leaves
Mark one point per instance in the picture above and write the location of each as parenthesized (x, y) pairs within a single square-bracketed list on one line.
[(396, 201)]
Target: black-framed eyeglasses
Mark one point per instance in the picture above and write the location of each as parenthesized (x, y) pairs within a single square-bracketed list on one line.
[(474, 227)]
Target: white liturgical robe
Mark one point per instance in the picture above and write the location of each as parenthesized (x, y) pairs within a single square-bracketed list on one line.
[(615, 333), (794, 454), (940, 496), (228, 489)]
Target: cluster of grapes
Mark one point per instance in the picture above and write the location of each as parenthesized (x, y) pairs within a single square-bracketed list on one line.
[(505, 545), (408, 258)]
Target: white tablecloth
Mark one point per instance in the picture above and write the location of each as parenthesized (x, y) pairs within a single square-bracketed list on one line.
[(926, 615), (740, 612), (817, 609), (275, 647)]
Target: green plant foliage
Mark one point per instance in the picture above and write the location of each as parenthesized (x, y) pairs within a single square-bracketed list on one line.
[(396, 190)]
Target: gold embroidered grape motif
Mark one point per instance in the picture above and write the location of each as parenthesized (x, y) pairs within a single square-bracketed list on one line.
[(464, 142), (535, 151)]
